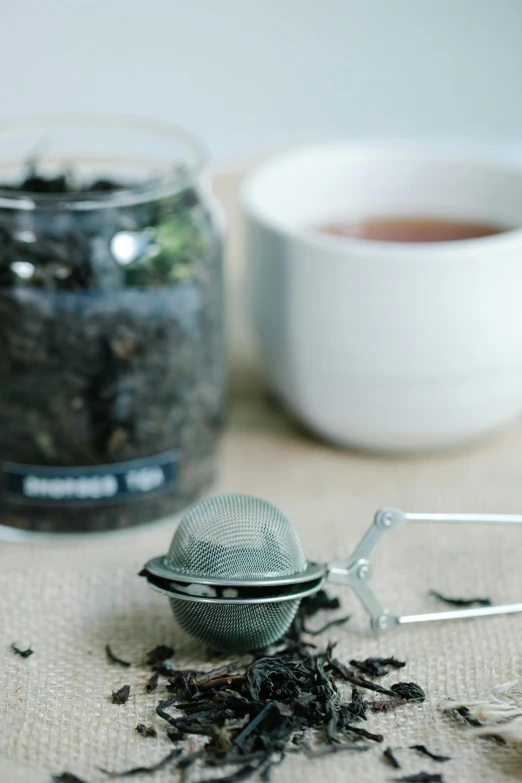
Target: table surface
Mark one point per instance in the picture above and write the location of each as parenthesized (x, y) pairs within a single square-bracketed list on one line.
[(68, 599)]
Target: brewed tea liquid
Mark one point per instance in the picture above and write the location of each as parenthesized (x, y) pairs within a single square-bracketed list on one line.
[(404, 229)]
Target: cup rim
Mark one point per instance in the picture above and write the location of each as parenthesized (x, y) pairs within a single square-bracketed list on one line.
[(403, 150)]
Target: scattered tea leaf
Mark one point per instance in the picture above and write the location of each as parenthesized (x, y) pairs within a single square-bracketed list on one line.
[(159, 654), (21, 653), (242, 774), (161, 707), (350, 676), (310, 606), (423, 749), (164, 762), (390, 758), (339, 747), (318, 602), (365, 733), (462, 602), (67, 777), (146, 731), (326, 626), (152, 684), (421, 777), (165, 668), (114, 658), (408, 690), (377, 667), (121, 696)]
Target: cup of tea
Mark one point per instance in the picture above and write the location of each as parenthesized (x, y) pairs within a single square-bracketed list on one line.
[(386, 290)]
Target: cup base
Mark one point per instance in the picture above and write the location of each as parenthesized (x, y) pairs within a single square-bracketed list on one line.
[(406, 416)]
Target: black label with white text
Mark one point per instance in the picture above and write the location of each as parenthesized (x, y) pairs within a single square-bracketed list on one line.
[(90, 485)]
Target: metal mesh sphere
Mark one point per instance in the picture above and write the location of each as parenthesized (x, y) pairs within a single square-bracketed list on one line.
[(238, 628), (234, 537)]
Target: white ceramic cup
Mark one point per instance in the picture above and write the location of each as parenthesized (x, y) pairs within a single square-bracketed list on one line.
[(380, 345)]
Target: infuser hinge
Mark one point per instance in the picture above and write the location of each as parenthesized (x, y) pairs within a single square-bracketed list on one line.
[(356, 570)]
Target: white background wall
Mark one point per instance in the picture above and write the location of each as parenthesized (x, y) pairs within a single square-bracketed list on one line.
[(249, 75)]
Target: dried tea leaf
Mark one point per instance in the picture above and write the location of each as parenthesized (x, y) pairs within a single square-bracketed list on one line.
[(390, 758), (377, 667), (159, 654), (462, 602), (309, 606), (421, 777), (317, 602), (254, 723), (242, 774), (365, 733), (164, 762), (350, 676), (326, 626), (408, 690), (121, 696), (358, 707), (114, 658), (423, 749), (339, 747), (146, 731), (21, 653), (152, 684), (67, 777)]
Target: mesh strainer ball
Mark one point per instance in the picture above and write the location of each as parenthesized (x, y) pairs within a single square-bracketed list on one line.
[(235, 573)]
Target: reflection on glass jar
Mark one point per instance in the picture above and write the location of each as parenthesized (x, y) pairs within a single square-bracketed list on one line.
[(112, 365)]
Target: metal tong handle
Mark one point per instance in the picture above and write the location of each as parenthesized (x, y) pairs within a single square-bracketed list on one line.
[(356, 570)]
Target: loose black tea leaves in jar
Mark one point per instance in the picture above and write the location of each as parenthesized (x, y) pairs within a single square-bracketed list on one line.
[(112, 368)]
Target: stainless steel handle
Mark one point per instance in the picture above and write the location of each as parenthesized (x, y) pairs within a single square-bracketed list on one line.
[(356, 570)]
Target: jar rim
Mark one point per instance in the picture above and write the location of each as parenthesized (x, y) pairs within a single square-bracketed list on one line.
[(173, 181)]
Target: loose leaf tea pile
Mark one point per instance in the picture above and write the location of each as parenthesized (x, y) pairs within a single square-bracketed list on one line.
[(248, 715), (111, 354)]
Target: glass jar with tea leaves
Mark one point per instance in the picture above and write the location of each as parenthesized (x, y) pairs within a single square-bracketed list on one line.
[(112, 367)]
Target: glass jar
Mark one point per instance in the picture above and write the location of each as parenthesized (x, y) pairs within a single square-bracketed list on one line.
[(112, 362)]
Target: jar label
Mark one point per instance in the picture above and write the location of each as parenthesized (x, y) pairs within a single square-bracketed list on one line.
[(90, 485)]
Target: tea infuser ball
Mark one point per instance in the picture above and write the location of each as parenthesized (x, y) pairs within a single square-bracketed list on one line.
[(235, 572)]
